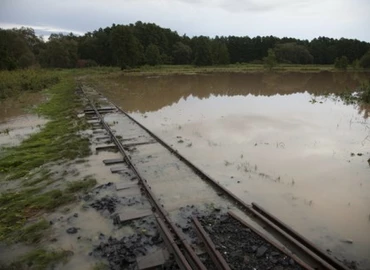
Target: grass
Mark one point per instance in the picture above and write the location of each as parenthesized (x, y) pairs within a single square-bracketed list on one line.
[(58, 140), (39, 259), (190, 69), (14, 82), (18, 207), (82, 185), (362, 95)]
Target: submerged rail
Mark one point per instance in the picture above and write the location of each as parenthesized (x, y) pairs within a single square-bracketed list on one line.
[(320, 259), (166, 225)]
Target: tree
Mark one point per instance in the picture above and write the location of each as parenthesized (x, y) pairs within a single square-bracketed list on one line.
[(152, 55), (127, 50), (270, 60), (14, 51), (341, 63), (293, 53), (365, 60), (220, 53), (60, 52), (181, 53), (203, 52)]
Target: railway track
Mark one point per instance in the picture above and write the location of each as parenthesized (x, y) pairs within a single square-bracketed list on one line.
[(301, 250)]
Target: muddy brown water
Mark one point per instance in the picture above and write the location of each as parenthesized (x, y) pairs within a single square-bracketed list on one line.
[(270, 140), (16, 122)]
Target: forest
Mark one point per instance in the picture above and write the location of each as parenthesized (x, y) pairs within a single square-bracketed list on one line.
[(133, 45)]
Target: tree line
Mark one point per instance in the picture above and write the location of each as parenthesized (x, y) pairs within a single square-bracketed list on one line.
[(133, 45)]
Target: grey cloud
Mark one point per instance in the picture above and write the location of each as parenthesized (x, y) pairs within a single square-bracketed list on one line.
[(312, 18)]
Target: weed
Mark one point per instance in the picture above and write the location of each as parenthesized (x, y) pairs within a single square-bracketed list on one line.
[(33, 233), (227, 163), (100, 266), (56, 141), (40, 259), (14, 82), (81, 186)]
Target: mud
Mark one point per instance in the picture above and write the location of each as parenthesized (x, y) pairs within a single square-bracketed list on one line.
[(123, 253), (263, 138)]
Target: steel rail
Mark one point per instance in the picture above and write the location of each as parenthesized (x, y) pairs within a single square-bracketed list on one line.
[(168, 239), (215, 255), (299, 237), (321, 263), (246, 207), (272, 242), (190, 255), (196, 169), (282, 229)]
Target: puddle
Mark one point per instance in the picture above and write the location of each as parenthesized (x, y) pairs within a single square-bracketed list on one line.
[(15, 130), (259, 135), (15, 123)]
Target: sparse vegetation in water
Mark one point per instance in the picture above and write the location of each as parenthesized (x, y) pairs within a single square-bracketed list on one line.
[(39, 259), (58, 140), (81, 185), (17, 207), (360, 95)]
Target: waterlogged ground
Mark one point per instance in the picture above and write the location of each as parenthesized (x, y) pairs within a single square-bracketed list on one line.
[(16, 123), (270, 139)]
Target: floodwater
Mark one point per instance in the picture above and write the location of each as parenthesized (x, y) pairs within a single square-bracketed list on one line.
[(271, 140), (15, 122)]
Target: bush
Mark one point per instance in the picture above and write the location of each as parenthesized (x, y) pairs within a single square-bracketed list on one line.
[(365, 93), (13, 82), (365, 60), (85, 63), (270, 61), (341, 63)]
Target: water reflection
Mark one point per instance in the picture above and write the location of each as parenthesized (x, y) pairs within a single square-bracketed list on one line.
[(145, 94), (259, 135)]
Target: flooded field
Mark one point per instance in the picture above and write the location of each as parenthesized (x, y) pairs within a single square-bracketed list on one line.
[(271, 139), (16, 123)]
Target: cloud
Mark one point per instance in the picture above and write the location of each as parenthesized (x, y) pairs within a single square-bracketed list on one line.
[(295, 18), (47, 30)]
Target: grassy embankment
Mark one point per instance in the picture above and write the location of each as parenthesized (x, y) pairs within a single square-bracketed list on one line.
[(21, 208)]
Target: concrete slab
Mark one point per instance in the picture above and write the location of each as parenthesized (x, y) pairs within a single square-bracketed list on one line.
[(106, 147), (131, 215), (118, 169), (113, 161)]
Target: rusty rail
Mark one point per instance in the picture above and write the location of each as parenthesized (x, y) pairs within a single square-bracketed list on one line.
[(272, 242), (323, 260), (189, 254), (305, 242), (215, 255)]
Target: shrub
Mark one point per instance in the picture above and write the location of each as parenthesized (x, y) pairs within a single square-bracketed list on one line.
[(341, 63)]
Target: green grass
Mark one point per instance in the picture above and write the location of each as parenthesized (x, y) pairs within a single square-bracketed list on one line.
[(18, 207), (58, 140), (362, 95), (81, 186), (39, 259), (14, 82), (190, 69)]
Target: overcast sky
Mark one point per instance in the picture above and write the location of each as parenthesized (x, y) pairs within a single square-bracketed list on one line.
[(305, 19)]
